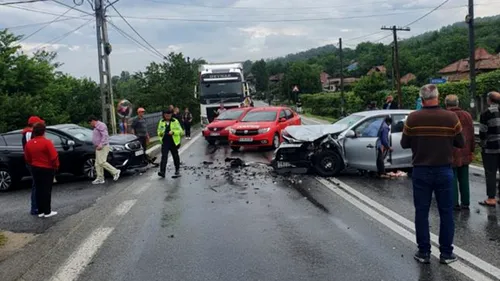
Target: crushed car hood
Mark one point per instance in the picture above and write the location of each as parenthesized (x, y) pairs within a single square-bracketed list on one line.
[(313, 132)]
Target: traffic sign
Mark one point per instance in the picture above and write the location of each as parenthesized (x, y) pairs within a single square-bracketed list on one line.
[(438, 80), (295, 89)]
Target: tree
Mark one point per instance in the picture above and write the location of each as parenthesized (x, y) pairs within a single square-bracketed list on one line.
[(259, 70), (369, 87)]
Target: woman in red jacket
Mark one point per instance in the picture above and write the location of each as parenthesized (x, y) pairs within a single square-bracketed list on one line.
[(41, 155)]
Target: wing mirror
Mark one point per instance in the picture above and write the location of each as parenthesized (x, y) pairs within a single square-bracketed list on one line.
[(70, 143), (282, 120), (350, 134)]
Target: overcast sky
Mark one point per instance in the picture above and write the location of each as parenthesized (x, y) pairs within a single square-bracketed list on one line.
[(223, 30)]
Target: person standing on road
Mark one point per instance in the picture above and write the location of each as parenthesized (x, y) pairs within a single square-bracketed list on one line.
[(489, 134), (100, 139), (170, 132), (462, 157), (299, 106), (43, 159), (140, 130), (383, 146), (27, 134), (389, 103), (432, 133), (187, 120)]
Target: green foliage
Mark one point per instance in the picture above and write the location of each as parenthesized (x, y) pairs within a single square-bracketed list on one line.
[(488, 82), (261, 75), (370, 87), (305, 76)]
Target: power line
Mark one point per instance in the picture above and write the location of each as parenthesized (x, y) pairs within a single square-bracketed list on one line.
[(129, 37), (39, 11), (62, 37), (263, 20), (430, 12), (44, 26), (362, 36), (20, 2), (136, 32), (42, 23), (72, 7)]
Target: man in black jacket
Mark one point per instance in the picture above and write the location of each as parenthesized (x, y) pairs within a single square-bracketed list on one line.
[(389, 103)]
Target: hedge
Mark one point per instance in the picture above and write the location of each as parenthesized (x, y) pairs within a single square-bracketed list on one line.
[(328, 104)]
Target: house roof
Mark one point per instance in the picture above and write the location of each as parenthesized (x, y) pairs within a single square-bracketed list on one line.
[(408, 77), (484, 61), (378, 68), (277, 77)]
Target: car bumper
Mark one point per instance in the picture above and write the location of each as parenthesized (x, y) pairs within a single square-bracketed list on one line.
[(252, 141), (127, 159), (221, 135)]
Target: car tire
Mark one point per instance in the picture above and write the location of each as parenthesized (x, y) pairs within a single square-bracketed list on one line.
[(276, 141), (6, 179), (88, 169), (235, 148), (328, 164)]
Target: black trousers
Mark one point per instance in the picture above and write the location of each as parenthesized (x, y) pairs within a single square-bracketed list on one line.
[(491, 164), (43, 178), (165, 149), (187, 129), (380, 161)]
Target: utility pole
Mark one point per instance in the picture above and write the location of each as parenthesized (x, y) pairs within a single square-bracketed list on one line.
[(396, 58), (341, 56), (472, 58), (103, 51), (393, 74)]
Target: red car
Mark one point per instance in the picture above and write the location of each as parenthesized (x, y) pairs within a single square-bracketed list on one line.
[(261, 127), (219, 128)]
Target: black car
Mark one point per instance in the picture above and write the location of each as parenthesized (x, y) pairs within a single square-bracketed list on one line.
[(76, 153)]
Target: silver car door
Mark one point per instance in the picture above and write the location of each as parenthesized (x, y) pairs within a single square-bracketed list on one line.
[(361, 150), (401, 158)]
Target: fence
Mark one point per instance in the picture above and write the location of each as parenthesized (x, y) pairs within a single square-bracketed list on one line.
[(152, 120)]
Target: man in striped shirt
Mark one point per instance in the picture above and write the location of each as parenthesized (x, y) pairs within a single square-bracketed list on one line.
[(489, 134), (432, 133)]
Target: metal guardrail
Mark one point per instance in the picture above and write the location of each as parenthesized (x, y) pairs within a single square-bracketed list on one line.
[(152, 120)]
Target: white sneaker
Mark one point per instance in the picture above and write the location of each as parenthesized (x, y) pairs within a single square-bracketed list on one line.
[(117, 175), (41, 215), (98, 181), (51, 214)]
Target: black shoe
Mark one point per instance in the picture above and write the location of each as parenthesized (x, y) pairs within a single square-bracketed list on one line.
[(424, 258), (465, 207), (458, 208), (161, 175), (447, 259), (177, 173)]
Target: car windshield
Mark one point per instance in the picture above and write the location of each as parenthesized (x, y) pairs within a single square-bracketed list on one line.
[(230, 115), (349, 120), (80, 133), (260, 116)]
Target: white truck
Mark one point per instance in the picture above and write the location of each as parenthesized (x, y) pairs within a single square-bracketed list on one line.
[(220, 84)]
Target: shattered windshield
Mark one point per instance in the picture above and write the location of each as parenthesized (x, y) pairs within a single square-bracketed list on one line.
[(260, 116), (349, 120)]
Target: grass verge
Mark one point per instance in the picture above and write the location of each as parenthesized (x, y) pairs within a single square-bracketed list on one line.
[(329, 119), (3, 239)]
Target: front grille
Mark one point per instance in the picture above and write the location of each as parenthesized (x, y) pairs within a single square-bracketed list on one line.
[(135, 145), (247, 132), (218, 129)]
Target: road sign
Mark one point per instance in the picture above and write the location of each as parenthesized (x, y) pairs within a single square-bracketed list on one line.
[(295, 89), (438, 80)]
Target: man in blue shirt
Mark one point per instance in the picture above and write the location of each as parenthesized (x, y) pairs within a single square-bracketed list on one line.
[(383, 146)]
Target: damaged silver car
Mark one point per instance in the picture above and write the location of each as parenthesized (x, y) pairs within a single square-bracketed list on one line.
[(349, 143)]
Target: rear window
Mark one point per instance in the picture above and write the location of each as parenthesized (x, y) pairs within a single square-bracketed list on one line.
[(230, 115), (260, 116), (14, 139)]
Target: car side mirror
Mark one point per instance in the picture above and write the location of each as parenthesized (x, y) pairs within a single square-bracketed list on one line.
[(282, 120), (350, 134), (70, 143)]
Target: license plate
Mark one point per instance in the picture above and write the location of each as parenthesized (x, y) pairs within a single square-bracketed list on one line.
[(214, 134), (139, 153), (246, 140)]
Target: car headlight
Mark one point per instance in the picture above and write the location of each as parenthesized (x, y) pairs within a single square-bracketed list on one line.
[(264, 130), (227, 129), (117, 148), (231, 130)]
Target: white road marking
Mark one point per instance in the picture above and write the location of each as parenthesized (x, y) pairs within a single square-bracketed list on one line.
[(124, 207), (77, 262), (141, 189), (312, 120), (80, 258), (472, 259)]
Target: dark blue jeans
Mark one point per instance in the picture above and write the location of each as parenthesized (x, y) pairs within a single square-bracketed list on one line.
[(426, 180), (34, 207)]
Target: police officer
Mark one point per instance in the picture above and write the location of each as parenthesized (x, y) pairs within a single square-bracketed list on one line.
[(170, 133)]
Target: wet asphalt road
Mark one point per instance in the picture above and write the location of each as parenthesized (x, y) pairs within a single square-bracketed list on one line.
[(218, 223)]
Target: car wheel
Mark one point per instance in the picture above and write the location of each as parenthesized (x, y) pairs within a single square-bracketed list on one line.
[(89, 168), (6, 180), (276, 141), (235, 148), (328, 164)]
